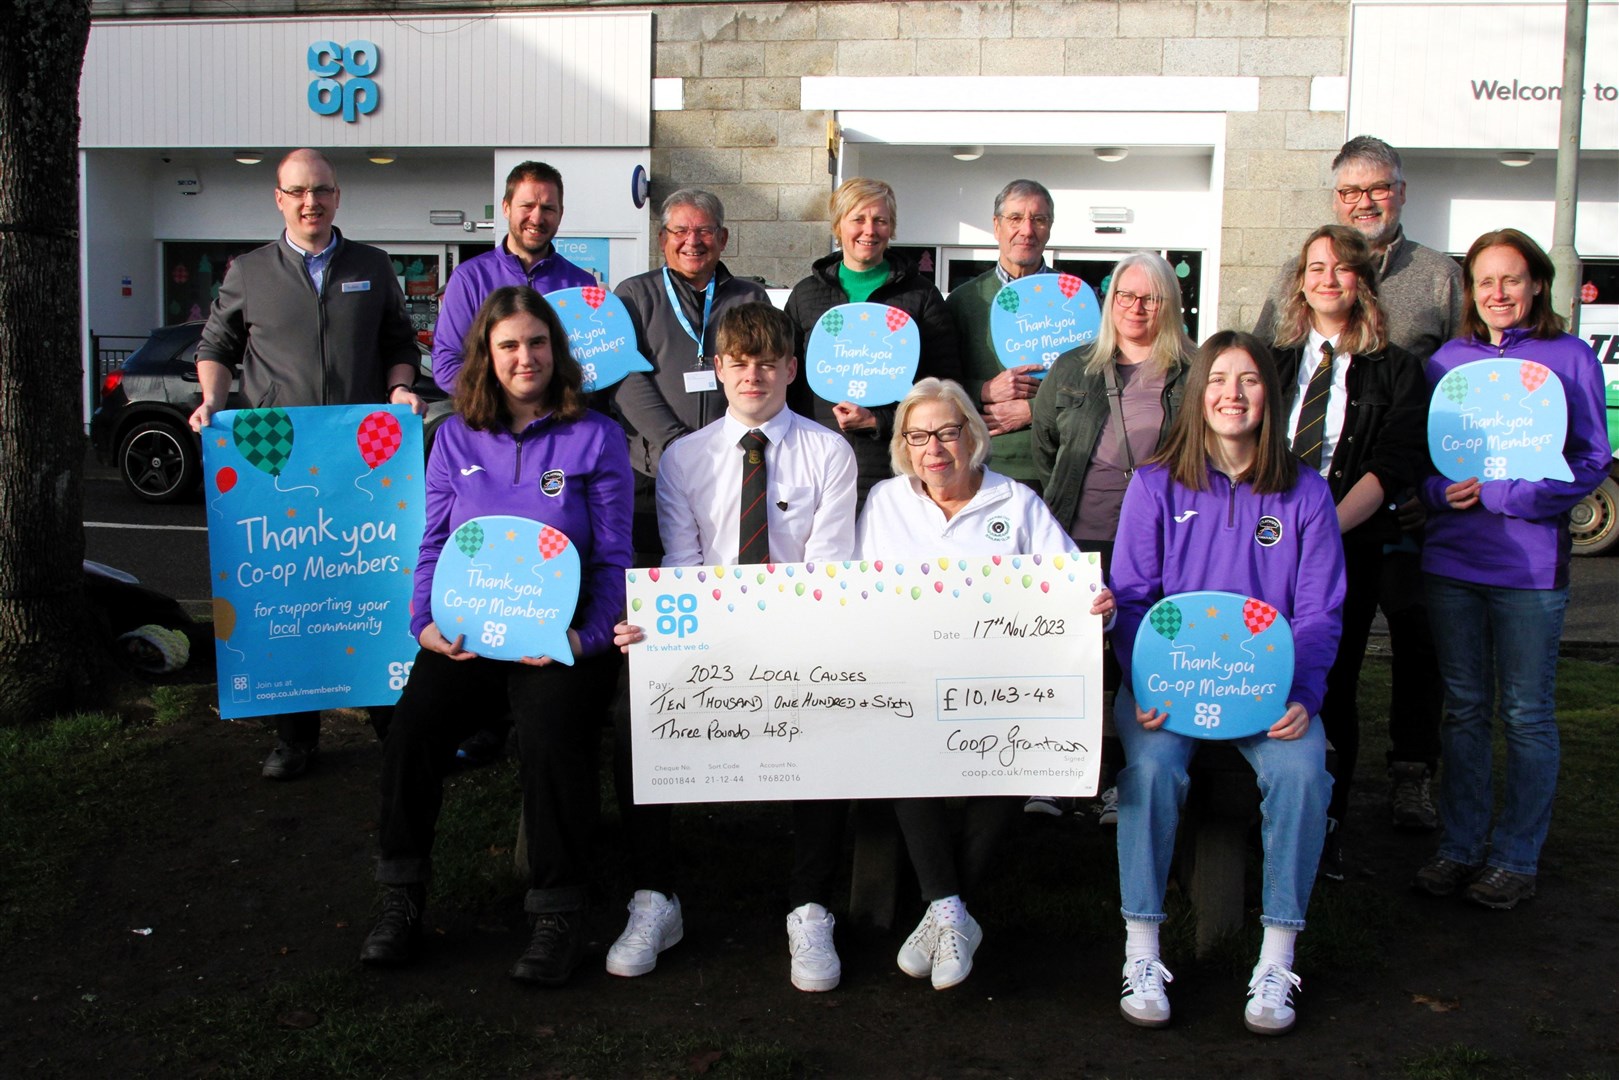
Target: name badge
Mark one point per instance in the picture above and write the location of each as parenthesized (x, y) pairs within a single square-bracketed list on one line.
[(699, 381), (356, 286)]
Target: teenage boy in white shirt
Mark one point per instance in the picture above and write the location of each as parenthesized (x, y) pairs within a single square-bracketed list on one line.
[(810, 517)]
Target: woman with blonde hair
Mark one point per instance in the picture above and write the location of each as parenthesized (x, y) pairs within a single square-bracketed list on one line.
[(1355, 404)]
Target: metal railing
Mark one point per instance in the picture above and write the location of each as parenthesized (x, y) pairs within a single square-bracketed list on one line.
[(110, 351)]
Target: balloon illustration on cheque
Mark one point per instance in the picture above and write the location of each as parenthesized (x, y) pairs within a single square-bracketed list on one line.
[(509, 585), (1219, 663)]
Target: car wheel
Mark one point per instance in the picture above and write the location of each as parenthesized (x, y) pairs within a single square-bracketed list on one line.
[(1594, 523), (159, 462)]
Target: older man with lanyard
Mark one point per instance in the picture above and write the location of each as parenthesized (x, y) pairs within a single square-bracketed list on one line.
[(1422, 296), (1023, 216)]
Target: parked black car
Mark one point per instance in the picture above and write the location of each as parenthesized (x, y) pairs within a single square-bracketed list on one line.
[(142, 424)]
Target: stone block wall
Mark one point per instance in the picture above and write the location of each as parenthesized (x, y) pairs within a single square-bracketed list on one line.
[(742, 134)]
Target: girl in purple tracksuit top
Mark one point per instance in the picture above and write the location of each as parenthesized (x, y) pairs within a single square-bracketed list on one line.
[(521, 443), (1496, 560), (1225, 506)]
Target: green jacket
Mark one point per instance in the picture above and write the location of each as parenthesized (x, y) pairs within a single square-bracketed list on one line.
[(969, 306), (1070, 415)]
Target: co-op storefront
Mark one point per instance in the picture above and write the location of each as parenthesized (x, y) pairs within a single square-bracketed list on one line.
[(424, 115)]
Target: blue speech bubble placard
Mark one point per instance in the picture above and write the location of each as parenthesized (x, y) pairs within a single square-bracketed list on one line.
[(864, 353), (509, 585), (1037, 318), (1219, 663), (600, 335), (1499, 420)]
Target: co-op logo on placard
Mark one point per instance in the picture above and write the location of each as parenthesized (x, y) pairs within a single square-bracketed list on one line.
[(354, 96), (677, 615)]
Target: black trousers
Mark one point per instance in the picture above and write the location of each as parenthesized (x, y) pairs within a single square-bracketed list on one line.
[(1418, 699), (1340, 709), (947, 865), (559, 711)]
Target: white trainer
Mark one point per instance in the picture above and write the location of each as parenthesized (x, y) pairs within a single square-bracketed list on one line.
[(1268, 1011), (1144, 1002), (815, 964), (655, 924), (953, 952), (916, 955)]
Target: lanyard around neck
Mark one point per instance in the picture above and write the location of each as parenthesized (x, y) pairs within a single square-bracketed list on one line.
[(680, 313)]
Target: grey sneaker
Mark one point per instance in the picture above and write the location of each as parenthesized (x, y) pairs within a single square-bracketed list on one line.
[(1268, 1011), (953, 952), (1043, 804), (1143, 1001), (288, 760), (916, 955), (1107, 812), (1500, 889), (1410, 799), (1440, 876)]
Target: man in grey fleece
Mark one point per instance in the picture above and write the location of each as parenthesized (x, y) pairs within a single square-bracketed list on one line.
[(1422, 296), (310, 319)]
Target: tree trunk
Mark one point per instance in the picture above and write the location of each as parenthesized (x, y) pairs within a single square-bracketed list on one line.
[(44, 638)]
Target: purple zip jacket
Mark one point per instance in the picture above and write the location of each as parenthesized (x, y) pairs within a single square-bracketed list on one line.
[(471, 285), (474, 473), (1517, 535), (1172, 540)]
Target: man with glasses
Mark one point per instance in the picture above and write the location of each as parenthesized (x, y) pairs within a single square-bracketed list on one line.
[(1023, 216), (1421, 293), (525, 256), (309, 319)]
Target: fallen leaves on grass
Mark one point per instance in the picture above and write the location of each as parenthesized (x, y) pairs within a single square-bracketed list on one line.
[(1438, 1005)]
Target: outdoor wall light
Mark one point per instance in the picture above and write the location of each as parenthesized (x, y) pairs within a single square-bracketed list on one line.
[(966, 153), (249, 157), (1111, 154), (1517, 159), (380, 157)]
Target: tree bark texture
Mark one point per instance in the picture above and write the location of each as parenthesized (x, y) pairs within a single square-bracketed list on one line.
[(45, 643)]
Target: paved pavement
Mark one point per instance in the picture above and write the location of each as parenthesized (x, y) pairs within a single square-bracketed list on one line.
[(167, 548)]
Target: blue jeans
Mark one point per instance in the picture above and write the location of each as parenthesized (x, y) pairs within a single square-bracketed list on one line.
[(1485, 635), (1294, 788)]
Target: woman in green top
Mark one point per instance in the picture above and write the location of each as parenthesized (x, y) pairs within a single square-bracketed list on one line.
[(864, 219)]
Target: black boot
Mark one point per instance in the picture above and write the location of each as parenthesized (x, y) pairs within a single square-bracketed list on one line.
[(395, 937), (553, 951)]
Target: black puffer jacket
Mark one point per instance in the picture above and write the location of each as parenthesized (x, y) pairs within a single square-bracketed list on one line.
[(911, 293)]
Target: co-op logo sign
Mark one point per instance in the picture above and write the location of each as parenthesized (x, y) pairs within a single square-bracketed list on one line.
[(344, 84)]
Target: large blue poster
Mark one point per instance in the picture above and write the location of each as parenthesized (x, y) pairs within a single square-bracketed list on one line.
[(315, 518)]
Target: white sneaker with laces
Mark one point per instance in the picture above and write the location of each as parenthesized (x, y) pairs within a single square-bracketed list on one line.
[(655, 924), (953, 952), (1268, 1011), (916, 955), (815, 964), (1108, 812), (1144, 1002)]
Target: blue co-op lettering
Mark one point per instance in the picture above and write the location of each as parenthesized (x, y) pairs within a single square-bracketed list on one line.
[(354, 96), (676, 614)]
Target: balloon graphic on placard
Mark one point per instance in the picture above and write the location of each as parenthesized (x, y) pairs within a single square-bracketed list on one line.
[(1007, 299), (1166, 619), (1533, 375), (553, 542), (225, 479), (1455, 386), (1069, 284), (469, 538), (833, 322), (378, 438), (264, 439), (594, 295), (225, 624), (1257, 616), (518, 606), (896, 318)]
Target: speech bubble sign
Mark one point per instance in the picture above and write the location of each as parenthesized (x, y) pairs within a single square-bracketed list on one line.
[(601, 336), (1035, 319), (864, 353), (1219, 663), (510, 586), (1501, 419)]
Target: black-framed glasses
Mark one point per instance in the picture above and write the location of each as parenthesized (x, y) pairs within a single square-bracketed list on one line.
[(701, 232), (947, 434), (1039, 221), (1127, 300), (1379, 192), (323, 192)]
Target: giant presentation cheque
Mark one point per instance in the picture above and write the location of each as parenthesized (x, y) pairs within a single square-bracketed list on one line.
[(872, 679)]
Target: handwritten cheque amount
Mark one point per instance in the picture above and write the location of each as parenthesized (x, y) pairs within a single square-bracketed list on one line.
[(867, 679)]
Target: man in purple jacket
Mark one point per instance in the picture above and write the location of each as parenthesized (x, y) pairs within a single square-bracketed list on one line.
[(524, 256)]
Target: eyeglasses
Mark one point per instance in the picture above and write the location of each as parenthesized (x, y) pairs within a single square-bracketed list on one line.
[(1039, 221), (1349, 196), (323, 192), (1149, 304), (947, 434), (701, 232)]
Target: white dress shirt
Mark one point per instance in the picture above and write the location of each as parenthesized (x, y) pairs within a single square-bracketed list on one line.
[(809, 475), (1337, 397)]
